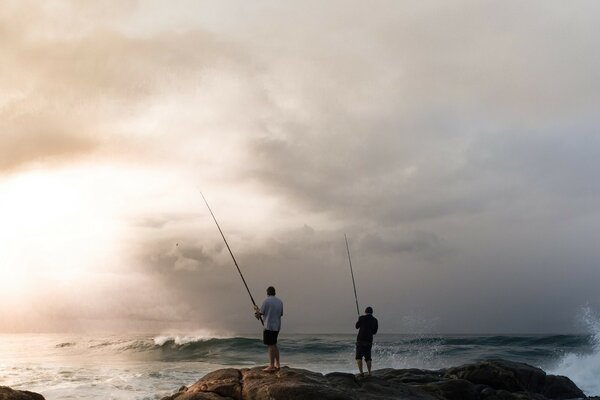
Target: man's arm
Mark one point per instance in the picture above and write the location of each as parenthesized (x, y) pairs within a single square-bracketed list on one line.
[(265, 307), (375, 327), (257, 312), (358, 323)]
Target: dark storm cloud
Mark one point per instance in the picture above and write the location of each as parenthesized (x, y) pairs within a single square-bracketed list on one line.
[(478, 133), (456, 145), (381, 177), (558, 163), (420, 242), (406, 146), (458, 154)]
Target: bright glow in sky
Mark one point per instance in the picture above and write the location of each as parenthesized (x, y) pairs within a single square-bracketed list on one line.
[(456, 145)]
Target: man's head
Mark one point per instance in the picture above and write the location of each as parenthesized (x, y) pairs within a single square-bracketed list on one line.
[(270, 291), (369, 310)]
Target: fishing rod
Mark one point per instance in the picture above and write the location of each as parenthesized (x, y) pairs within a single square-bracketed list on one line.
[(352, 273), (230, 252)]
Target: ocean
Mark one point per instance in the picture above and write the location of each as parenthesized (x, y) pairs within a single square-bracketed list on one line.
[(152, 366)]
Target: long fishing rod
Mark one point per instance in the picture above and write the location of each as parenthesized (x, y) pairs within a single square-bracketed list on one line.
[(352, 273), (230, 252)]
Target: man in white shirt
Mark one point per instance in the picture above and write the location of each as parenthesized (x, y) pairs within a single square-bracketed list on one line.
[(272, 310)]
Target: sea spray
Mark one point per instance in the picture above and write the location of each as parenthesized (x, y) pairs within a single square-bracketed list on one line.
[(421, 351), (584, 368), (128, 367)]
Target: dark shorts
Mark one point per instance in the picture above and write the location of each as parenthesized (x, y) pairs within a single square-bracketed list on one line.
[(270, 337), (363, 349)]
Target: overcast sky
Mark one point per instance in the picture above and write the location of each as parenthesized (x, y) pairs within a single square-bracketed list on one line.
[(455, 143)]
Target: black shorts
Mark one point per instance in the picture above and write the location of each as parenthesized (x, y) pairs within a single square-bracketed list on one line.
[(270, 337), (363, 349)]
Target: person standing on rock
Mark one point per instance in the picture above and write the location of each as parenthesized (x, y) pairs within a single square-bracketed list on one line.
[(367, 327), (272, 310)]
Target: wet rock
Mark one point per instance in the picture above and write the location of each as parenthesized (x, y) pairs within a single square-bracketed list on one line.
[(7, 393), (517, 377), (489, 380)]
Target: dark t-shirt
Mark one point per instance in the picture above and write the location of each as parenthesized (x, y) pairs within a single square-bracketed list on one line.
[(367, 327)]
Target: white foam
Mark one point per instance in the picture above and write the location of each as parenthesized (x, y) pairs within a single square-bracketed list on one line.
[(584, 369), (197, 336)]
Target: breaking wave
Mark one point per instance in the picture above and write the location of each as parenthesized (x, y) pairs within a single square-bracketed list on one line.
[(61, 364), (583, 367), (574, 356)]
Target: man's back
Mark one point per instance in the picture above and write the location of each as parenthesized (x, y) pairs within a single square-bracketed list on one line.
[(272, 309), (367, 327)]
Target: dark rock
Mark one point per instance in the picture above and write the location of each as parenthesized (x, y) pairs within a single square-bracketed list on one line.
[(485, 391), (376, 387), (342, 379), (453, 389), (517, 377), (561, 388), (501, 374), (7, 393), (409, 376), (489, 380)]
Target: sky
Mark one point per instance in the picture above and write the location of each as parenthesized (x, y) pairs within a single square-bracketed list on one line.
[(456, 144)]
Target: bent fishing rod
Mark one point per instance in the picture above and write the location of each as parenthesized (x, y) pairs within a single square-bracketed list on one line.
[(230, 252), (352, 273)]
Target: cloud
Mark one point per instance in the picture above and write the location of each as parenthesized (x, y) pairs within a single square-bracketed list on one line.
[(71, 93), (393, 127), (42, 142), (454, 144)]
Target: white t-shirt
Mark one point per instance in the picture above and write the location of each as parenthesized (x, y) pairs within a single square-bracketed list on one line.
[(272, 310)]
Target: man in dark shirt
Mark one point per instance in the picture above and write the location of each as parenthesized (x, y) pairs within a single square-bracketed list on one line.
[(367, 327)]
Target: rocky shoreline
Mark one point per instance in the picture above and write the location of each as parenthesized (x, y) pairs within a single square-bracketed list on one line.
[(489, 380)]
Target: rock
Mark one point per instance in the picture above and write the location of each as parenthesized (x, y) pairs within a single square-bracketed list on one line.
[(7, 393), (288, 383), (560, 387), (489, 380), (453, 389), (501, 374), (517, 377)]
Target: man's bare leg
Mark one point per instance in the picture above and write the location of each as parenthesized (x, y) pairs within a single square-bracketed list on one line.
[(276, 357), (360, 367), (272, 356), (369, 366), (271, 350)]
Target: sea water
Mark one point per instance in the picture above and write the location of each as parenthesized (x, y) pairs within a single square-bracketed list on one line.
[(153, 366)]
